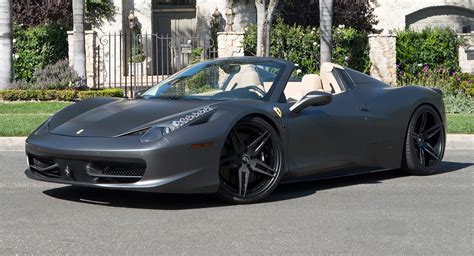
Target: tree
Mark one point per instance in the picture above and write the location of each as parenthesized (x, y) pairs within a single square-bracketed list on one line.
[(357, 14), (325, 18), (265, 12), (79, 51), (6, 73)]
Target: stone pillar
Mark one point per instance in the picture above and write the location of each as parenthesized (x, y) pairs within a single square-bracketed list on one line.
[(466, 54), (383, 56), (230, 44), (90, 43)]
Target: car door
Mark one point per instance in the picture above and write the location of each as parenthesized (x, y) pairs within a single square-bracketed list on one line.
[(324, 138)]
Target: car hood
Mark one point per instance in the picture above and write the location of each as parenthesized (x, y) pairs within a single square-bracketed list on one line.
[(114, 117)]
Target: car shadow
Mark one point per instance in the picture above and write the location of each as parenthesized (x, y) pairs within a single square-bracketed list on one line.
[(153, 201)]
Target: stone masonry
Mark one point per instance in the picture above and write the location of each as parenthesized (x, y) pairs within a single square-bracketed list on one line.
[(383, 56)]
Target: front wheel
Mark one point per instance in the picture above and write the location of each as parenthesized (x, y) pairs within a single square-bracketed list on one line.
[(425, 142), (250, 167)]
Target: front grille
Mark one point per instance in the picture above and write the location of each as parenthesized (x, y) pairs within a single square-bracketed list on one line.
[(124, 171), (88, 171)]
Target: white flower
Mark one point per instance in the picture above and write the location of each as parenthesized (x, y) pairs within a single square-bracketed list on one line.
[(419, 64), (14, 40), (315, 43), (341, 26), (346, 58), (297, 65), (16, 56), (298, 71), (312, 32)]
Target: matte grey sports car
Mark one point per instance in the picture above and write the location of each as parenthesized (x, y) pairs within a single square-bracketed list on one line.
[(238, 127)]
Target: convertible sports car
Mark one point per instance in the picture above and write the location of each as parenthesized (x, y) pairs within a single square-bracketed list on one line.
[(238, 127)]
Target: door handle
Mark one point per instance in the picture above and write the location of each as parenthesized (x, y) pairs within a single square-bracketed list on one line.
[(364, 108)]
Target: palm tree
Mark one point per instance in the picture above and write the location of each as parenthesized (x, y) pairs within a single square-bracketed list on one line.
[(325, 20), (6, 72), (265, 11), (79, 51)]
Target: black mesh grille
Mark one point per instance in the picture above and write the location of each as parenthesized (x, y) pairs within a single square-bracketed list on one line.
[(124, 171)]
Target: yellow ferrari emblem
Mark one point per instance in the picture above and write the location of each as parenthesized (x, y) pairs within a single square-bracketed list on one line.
[(278, 112)]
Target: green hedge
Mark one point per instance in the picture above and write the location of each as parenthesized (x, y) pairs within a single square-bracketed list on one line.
[(300, 45), (36, 47), (432, 47), (60, 95)]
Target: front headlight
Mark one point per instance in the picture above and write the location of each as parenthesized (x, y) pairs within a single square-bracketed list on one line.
[(157, 131)]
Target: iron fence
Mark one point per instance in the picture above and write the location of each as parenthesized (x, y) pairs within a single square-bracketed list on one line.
[(135, 62)]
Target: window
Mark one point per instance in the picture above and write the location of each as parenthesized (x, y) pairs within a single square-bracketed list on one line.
[(174, 3)]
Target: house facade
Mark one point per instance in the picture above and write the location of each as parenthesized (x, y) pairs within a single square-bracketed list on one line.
[(150, 39)]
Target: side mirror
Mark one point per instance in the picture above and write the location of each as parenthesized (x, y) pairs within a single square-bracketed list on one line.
[(315, 98), (138, 94)]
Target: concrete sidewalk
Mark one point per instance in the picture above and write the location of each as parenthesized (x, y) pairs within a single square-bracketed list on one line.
[(454, 141)]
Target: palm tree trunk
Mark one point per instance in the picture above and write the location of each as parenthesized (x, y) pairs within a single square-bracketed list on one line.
[(6, 72), (325, 21), (264, 24), (79, 51)]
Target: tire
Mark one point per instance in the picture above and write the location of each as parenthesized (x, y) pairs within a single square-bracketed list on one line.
[(251, 162), (425, 142)]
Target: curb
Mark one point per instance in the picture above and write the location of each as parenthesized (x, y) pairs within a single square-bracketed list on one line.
[(453, 142)]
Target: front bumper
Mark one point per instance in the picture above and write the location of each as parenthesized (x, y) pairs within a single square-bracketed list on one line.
[(170, 165)]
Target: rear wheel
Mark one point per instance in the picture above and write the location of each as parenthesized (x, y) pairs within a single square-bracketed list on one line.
[(251, 162), (425, 142)]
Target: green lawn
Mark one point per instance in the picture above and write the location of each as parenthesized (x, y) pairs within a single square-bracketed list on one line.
[(20, 119)]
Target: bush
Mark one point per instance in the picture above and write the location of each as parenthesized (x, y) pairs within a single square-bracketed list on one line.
[(60, 95), (58, 76), (459, 104), (434, 47), (301, 45), (36, 47)]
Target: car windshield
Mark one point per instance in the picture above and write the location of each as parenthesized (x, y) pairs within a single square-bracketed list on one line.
[(220, 80)]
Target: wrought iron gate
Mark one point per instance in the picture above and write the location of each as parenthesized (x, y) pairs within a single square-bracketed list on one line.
[(138, 61)]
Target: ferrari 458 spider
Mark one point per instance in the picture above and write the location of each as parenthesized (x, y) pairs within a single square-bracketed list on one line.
[(238, 127)]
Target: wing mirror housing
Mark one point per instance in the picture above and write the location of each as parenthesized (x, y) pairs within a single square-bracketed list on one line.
[(139, 94), (316, 98)]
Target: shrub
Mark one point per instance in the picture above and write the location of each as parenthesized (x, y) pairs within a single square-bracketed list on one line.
[(58, 76), (301, 45), (36, 47), (459, 104), (100, 93), (435, 47), (60, 95)]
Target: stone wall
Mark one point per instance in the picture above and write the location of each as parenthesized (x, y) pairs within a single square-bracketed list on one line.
[(90, 43), (383, 56), (466, 54), (230, 44), (392, 14)]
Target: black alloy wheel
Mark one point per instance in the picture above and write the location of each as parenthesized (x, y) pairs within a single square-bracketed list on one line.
[(251, 162), (425, 141)]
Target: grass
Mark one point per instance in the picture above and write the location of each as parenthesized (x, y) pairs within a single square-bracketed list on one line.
[(461, 124), (20, 119)]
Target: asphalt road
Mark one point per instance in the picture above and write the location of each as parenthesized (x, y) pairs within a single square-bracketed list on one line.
[(374, 214)]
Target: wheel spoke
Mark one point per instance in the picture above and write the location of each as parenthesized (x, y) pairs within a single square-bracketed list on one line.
[(266, 170), (422, 156), (423, 122), (430, 150), (433, 131), (243, 180), (239, 146), (257, 145)]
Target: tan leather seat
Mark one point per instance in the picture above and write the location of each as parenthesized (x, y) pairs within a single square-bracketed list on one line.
[(329, 81), (247, 76), (309, 83)]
